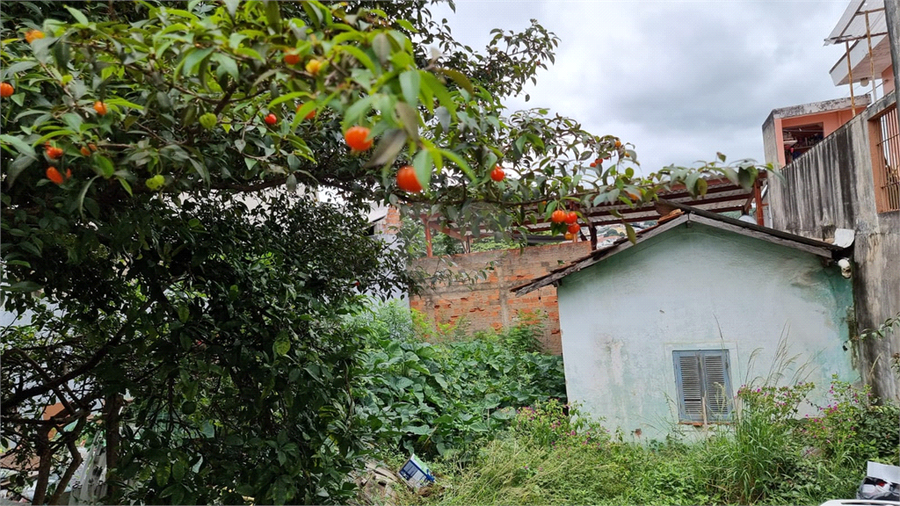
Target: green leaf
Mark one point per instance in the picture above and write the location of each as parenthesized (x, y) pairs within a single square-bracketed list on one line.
[(21, 163), (80, 200), (16, 68), (443, 96), (629, 231), (463, 166), (61, 53), (281, 347), (407, 25), (355, 112), (701, 186), (424, 166), (273, 15), (125, 185), (104, 166), (24, 286), (56, 133), (410, 118), (291, 96), (460, 79), (21, 146), (79, 17), (382, 47), (193, 59), (388, 148), (421, 430), (178, 469), (359, 55), (231, 6), (409, 84), (226, 65)]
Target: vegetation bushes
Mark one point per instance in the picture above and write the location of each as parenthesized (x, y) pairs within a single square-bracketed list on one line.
[(767, 456), (437, 399)]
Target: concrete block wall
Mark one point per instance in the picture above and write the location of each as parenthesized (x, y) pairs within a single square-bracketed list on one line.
[(831, 187), (484, 301)]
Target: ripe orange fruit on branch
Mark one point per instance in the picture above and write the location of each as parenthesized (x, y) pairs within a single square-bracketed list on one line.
[(85, 151), (271, 119), (574, 228), (100, 107), (32, 35), (291, 58), (357, 138), (54, 175), (6, 90), (497, 174), (54, 153), (571, 217), (569, 236), (313, 66), (558, 216), (407, 179)]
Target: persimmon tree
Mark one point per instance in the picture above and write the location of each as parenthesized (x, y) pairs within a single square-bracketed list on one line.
[(183, 286)]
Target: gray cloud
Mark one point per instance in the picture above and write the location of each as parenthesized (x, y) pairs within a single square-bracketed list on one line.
[(681, 80)]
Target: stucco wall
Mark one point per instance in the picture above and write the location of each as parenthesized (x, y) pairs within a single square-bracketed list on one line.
[(696, 288), (830, 187), (487, 302)]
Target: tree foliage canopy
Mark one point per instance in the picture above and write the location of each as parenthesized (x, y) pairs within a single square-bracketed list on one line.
[(166, 256)]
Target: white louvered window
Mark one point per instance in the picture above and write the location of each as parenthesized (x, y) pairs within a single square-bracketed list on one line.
[(704, 385)]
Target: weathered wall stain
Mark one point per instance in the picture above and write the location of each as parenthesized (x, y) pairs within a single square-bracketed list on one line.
[(832, 186)]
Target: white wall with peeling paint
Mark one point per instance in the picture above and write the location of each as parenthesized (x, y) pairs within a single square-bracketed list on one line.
[(698, 287)]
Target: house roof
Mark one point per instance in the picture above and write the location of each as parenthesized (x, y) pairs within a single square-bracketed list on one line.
[(681, 215), (721, 196)]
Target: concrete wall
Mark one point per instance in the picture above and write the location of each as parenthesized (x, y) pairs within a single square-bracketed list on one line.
[(487, 302), (830, 113), (830, 187), (697, 288)]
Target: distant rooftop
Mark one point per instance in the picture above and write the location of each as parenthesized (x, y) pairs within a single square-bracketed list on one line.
[(855, 29), (835, 104)]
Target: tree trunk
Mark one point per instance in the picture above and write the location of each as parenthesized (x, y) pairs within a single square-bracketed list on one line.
[(45, 452), (112, 421), (71, 438)]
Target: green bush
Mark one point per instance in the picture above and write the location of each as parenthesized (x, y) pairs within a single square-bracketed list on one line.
[(438, 399)]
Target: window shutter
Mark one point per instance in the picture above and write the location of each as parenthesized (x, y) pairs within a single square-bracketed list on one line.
[(702, 376), (715, 384), (691, 386)]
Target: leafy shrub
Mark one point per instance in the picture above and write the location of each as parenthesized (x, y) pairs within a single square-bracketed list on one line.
[(437, 399), (852, 428)]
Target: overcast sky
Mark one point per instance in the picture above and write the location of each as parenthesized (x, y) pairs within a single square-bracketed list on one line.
[(680, 80)]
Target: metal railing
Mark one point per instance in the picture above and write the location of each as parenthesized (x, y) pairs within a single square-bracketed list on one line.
[(886, 160)]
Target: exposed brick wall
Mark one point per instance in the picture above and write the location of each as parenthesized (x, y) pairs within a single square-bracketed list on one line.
[(487, 303)]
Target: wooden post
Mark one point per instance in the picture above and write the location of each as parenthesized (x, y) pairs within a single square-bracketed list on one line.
[(757, 195), (871, 59), (850, 76), (593, 230), (427, 237)]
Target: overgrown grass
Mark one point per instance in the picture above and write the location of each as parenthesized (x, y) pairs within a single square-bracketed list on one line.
[(766, 457), (488, 413)]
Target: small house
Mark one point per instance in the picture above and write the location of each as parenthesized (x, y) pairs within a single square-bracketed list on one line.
[(660, 334)]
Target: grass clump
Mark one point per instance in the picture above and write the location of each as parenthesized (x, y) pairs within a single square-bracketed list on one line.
[(766, 456)]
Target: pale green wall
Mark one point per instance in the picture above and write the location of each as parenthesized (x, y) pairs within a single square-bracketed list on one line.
[(696, 288)]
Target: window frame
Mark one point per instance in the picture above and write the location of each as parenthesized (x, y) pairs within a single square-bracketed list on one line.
[(697, 418)]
